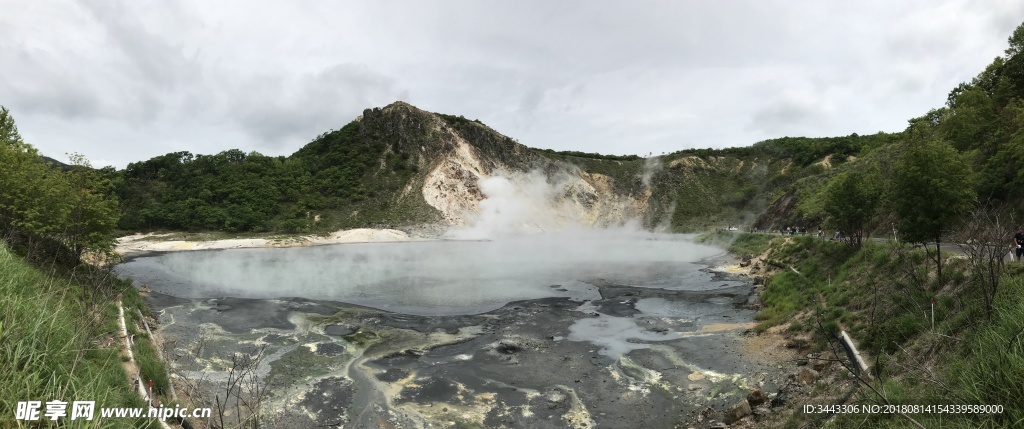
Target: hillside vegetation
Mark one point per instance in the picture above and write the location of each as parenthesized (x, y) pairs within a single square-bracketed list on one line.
[(59, 337), (54, 331), (882, 294)]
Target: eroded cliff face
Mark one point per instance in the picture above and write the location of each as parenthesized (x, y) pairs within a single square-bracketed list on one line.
[(543, 194), (593, 197), (452, 186)]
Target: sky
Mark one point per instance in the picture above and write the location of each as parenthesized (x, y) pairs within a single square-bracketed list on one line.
[(123, 81)]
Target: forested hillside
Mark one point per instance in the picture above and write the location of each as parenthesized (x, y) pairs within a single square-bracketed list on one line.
[(238, 191), (373, 172), (977, 138)]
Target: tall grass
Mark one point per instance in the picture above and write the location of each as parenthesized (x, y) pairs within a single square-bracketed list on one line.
[(992, 368), (52, 345)]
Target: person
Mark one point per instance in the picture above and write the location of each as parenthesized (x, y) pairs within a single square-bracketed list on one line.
[(1018, 243)]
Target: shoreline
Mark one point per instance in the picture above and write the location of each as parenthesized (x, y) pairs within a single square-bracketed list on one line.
[(799, 370), (132, 246)]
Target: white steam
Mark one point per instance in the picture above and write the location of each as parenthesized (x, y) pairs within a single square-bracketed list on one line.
[(652, 166), (434, 277), (523, 203)]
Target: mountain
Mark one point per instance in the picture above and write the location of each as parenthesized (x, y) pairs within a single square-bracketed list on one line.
[(403, 166), (400, 166)]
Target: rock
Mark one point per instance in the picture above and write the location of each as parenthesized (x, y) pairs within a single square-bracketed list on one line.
[(555, 399), (808, 376), (706, 413), (819, 365), (801, 362), (785, 395), (737, 411), (508, 347), (796, 343), (757, 397)]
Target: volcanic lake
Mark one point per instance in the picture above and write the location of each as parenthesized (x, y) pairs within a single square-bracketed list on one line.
[(594, 329)]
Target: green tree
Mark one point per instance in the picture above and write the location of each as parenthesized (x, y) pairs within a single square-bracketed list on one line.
[(931, 189), (92, 208), (1015, 58), (970, 121), (68, 212), (851, 200), (30, 203)]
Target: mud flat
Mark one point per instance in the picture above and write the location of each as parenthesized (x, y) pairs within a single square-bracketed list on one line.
[(623, 356)]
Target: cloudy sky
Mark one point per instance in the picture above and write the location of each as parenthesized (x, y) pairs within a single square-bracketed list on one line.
[(121, 81)]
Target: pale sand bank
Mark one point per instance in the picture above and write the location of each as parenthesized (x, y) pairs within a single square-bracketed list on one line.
[(152, 242)]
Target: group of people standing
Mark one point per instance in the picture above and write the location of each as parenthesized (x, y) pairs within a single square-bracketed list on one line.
[(792, 231), (803, 231)]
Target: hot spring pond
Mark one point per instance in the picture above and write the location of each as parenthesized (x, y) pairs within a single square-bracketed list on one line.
[(557, 331)]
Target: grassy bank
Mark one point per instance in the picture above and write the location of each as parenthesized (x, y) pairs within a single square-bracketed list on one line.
[(881, 294), (54, 332)]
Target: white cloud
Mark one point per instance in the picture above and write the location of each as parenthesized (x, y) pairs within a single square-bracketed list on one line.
[(126, 81)]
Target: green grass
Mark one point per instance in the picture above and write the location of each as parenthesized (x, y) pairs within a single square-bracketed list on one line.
[(50, 330), (151, 368), (739, 243), (991, 370)]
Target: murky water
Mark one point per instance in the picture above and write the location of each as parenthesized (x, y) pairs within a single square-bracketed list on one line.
[(606, 328), (435, 277)]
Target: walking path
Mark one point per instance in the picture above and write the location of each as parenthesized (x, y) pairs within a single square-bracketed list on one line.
[(130, 367)]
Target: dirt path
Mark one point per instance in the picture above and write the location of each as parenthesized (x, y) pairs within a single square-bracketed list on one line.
[(130, 367)]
